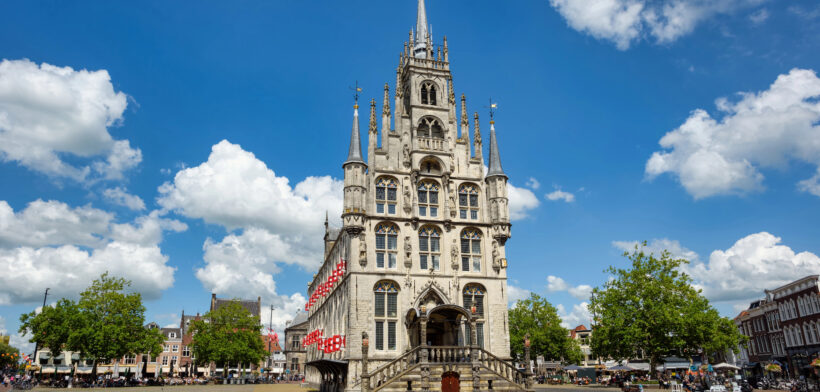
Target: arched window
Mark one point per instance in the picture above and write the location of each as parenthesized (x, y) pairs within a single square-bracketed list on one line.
[(471, 250), (429, 248), (428, 198), (430, 127), (428, 93), (386, 295), (474, 296), (468, 201), (386, 194), (386, 245)]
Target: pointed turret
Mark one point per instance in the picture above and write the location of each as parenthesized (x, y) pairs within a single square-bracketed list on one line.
[(354, 154), (355, 170), (479, 151), (494, 168), (422, 35)]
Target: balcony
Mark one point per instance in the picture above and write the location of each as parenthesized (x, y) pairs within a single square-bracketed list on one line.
[(431, 143)]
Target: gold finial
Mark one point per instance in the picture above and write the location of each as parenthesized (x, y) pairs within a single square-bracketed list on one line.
[(356, 91)]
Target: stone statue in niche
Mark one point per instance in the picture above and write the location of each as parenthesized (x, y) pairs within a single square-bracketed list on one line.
[(408, 252), (496, 256), (362, 251), (452, 202), (408, 199), (405, 155), (454, 255)]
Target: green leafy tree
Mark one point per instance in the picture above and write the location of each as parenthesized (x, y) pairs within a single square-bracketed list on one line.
[(653, 308), (9, 356), (52, 327), (536, 316), (228, 334), (105, 324)]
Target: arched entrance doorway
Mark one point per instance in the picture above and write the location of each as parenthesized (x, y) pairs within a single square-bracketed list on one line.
[(443, 325)]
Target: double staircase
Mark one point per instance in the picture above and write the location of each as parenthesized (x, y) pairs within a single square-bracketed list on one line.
[(424, 368)]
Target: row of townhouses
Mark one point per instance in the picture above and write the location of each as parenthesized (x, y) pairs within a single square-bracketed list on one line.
[(783, 328), (176, 358)]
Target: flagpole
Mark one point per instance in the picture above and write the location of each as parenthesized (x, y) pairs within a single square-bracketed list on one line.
[(270, 338)]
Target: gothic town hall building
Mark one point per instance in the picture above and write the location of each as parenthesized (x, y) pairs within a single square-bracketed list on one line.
[(412, 293)]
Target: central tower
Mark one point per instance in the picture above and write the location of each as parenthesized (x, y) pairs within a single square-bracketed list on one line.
[(424, 227)]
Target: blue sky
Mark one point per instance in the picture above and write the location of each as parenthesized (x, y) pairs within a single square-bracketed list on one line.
[(585, 95)]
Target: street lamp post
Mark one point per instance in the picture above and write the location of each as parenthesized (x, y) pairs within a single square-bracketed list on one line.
[(270, 337), (36, 344)]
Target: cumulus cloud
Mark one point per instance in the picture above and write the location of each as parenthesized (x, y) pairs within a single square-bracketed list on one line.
[(532, 183), (558, 194), (581, 292), (49, 113), (269, 221), (522, 200), (624, 22), (515, 294), (740, 273), (657, 246), (753, 263), (121, 197), (768, 129), (50, 244), (811, 185), (577, 316)]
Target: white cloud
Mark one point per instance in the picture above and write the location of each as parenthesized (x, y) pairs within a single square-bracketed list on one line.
[(50, 244), (740, 273), (753, 263), (285, 309), (811, 185), (558, 194), (522, 200), (581, 292), (47, 112), (532, 183), (577, 316), (760, 16), (657, 246), (235, 189), (626, 21), (121, 197), (767, 129), (515, 293), (274, 222)]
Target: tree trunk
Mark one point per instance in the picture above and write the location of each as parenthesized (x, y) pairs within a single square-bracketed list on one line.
[(94, 370), (653, 364)]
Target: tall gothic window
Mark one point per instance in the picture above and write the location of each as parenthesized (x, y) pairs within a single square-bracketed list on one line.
[(430, 127), (428, 93), (386, 245), (468, 201), (471, 250), (429, 248), (386, 295), (428, 198), (386, 188), (474, 295)]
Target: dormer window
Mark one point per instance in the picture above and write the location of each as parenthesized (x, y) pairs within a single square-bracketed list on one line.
[(172, 335), (428, 93)]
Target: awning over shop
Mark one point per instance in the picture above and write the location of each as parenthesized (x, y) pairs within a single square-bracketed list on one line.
[(750, 365), (642, 366), (75, 357)]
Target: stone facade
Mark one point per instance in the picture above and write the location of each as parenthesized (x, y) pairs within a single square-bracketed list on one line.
[(424, 228)]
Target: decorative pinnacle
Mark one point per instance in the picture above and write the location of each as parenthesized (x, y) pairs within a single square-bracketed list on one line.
[(464, 120), (386, 103), (477, 131), (451, 94), (373, 128)]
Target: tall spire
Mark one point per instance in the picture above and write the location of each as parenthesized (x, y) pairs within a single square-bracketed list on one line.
[(495, 159), (354, 155), (421, 31)]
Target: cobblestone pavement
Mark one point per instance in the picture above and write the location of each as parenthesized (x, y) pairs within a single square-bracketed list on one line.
[(191, 388)]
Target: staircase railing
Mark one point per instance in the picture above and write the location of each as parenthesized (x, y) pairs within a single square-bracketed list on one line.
[(502, 368), (394, 369)]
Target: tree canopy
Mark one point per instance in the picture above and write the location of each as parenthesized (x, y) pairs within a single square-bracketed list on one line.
[(8, 354), (228, 334), (652, 308), (106, 323), (536, 316)]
